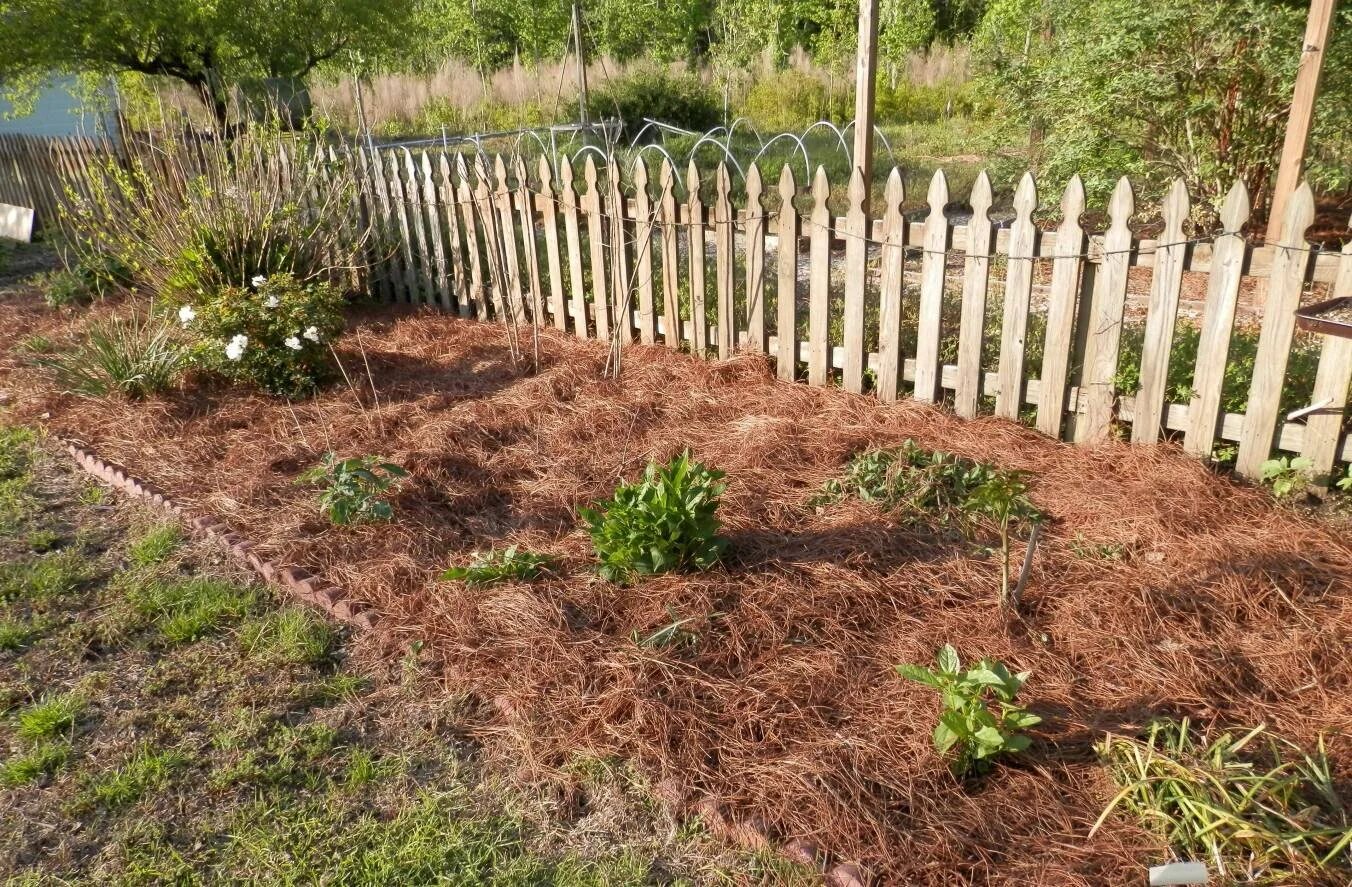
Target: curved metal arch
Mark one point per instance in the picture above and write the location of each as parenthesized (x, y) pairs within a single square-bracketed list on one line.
[(802, 149), (840, 134)]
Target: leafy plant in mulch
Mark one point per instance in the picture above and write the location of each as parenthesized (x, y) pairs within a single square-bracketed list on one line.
[(129, 356), (354, 489), (1261, 808), (980, 719), (667, 521), (488, 567), (1287, 476)]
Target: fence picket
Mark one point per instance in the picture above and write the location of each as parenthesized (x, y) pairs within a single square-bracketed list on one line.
[(530, 252), (895, 229), (1018, 294), (856, 233), (755, 261), (786, 285), (596, 240), (643, 253), (1274, 340), (502, 198), (724, 261), (456, 263), (672, 333), (929, 318), (975, 283), (1218, 322), (488, 230), (1162, 315), (573, 234), (1062, 301), (547, 204), (478, 288), (621, 285), (699, 335), (400, 205), (419, 242), (1097, 392), (819, 283), (1331, 383), (386, 248), (431, 206)]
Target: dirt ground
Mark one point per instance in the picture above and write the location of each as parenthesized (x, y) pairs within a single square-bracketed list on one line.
[(1159, 587)]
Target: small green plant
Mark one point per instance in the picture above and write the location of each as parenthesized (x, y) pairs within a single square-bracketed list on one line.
[(147, 771), (33, 764), (1003, 497), (50, 576), (1344, 483), (1264, 814), (186, 610), (50, 717), (354, 488), (1097, 551), (980, 718), (673, 634), (132, 357), (289, 636), (15, 634), (276, 333), (155, 545), (909, 480), (667, 521), (1287, 475), (64, 289), (496, 566)]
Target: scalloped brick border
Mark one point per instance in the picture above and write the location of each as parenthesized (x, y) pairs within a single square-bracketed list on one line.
[(753, 832)]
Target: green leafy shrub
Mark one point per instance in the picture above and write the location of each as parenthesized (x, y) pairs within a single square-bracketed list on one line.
[(64, 289), (790, 101), (1263, 815), (980, 718), (495, 566), (275, 334), (128, 356), (1344, 483), (353, 489), (667, 521), (1287, 475), (1003, 498), (679, 99)]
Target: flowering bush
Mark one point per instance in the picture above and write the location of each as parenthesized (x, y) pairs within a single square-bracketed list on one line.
[(275, 333)]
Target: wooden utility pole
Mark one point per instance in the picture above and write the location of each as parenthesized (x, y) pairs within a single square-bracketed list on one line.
[(580, 47), (1317, 30), (865, 76)]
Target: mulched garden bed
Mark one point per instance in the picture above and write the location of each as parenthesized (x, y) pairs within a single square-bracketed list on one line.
[(1221, 606)]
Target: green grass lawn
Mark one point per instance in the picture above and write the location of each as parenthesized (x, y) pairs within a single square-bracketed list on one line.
[(164, 720)]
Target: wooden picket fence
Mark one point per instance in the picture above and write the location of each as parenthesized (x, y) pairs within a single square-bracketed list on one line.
[(894, 305)]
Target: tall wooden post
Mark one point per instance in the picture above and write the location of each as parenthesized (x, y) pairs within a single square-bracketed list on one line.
[(581, 47), (865, 76), (1317, 30)]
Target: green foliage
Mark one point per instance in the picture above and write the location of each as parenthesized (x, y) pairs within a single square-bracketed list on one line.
[(791, 100), (29, 766), (275, 334), (64, 289), (148, 770), (1287, 475), (496, 566), (132, 357), (155, 545), (1272, 814), (354, 488), (186, 610), (1003, 498), (18, 446), (289, 636), (50, 717), (47, 578), (679, 99), (667, 521), (1344, 483), (15, 634), (980, 718)]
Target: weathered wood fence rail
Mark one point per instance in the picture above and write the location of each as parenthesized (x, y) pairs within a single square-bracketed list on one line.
[(1074, 332)]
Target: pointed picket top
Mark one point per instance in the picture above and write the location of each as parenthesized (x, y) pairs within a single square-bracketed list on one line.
[(754, 187), (937, 198), (1299, 216), (444, 168), (589, 174), (1175, 210), (408, 160), (519, 170), (1025, 197), (692, 182), (500, 172), (546, 175), (461, 167), (857, 192), (1072, 203), (565, 174), (723, 184), (640, 175), (666, 177), (821, 188), (426, 167), (894, 193), (480, 169), (788, 188), (981, 198), (1235, 209), (1121, 205)]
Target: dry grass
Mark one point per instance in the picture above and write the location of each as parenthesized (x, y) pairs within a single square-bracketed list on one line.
[(1224, 608)]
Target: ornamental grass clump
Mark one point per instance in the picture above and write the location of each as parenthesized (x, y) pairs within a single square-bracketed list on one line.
[(1261, 809), (276, 333), (667, 521), (132, 357)]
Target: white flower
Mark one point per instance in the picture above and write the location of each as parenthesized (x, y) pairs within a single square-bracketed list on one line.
[(292, 342), (235, 350), (272, 302), (311, 333), (258, 281), (186, 315)]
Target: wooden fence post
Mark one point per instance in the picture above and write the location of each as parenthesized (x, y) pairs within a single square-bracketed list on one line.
[(1325, 427), (672, 332), (856, 277), (755, 261), (929, 314), (819, 283), (596, 240), (895, 229), (1098, 394), (1162, 315), (724, 262), (975, 283), (698, 319), (1062, 304), (643, 253), (572, 232), (1023, 237), (548, 207)]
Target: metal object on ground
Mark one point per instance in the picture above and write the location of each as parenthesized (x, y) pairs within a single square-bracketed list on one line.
[(1332, 317)]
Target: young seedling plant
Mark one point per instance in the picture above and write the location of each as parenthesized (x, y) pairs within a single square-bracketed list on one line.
[(1286, 475), (354, 489), (496, 566), (980, 719), (1003, 497)]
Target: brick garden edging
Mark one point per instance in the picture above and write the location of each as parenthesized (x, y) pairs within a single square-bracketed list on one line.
[(332, 600)]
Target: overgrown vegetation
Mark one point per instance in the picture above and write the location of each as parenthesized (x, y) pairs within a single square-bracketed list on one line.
[(667, 521), (980, 719), (353, 490), (1259, 808)]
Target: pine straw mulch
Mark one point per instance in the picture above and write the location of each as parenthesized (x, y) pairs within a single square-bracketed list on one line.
[(1225, 608)]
